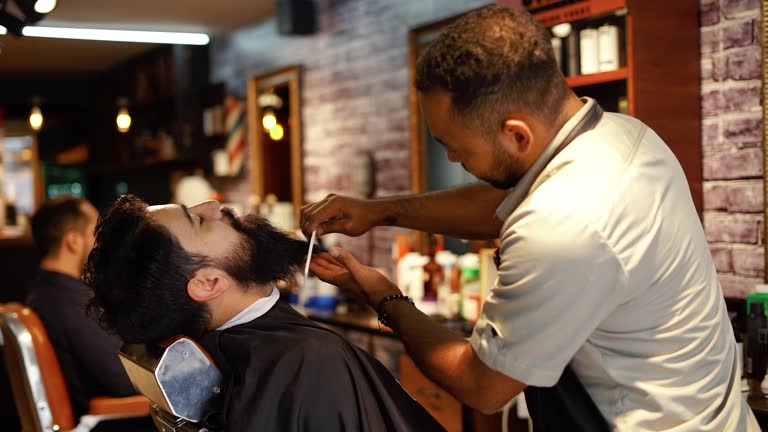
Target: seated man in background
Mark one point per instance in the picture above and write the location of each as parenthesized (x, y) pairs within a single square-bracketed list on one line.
[(63, 230), (203, 272)]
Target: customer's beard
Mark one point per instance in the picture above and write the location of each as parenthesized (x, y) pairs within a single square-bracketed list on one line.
[(265, 254)]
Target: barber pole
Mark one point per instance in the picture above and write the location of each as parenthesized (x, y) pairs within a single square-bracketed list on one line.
[(235, 124)]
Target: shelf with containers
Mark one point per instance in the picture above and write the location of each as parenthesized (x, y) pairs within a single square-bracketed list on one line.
[(658, 75)]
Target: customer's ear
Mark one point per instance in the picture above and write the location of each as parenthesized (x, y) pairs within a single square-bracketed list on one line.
[(207, 284), (72, 241)]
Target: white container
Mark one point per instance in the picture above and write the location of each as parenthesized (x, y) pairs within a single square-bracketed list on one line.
[(445, 303), (608, 47), (415, 278), (588, 51), (448, 260), (405, 263), (557, 47)]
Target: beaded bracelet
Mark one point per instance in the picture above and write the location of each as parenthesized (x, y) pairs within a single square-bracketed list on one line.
[(383, 318)]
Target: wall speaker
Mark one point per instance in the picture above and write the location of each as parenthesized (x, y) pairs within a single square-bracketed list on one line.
[(296, 17)]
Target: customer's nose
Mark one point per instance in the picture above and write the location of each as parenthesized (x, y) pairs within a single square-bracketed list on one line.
[(210, 209)]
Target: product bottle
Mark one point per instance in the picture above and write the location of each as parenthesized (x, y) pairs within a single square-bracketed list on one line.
[(470, 293), (10, 206), (445, 301), (454, 300), (410, 275), (470, 287), (400, 247), (756, 341), (433, 273)]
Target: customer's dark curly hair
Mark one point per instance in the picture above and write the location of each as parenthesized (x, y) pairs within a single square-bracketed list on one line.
[(493, 61), (136, 269)]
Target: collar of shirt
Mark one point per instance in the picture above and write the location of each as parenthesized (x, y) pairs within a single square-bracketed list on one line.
[(577, 124), (255, 310), (47, 279)]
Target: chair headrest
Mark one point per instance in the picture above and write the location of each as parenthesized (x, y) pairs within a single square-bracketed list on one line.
[(179, 377)]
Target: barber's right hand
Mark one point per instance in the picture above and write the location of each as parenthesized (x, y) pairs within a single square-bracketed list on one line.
[(340, 214)]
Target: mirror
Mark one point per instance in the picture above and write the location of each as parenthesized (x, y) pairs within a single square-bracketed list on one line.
[(274, 137)]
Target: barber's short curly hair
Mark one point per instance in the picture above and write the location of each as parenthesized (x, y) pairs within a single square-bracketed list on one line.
[(136, 269), (493, 61)]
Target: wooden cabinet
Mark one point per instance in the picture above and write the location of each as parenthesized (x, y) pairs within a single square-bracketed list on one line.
[(660, 71)]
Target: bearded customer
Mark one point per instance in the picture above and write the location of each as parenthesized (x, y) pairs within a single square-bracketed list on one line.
[(203, 272)]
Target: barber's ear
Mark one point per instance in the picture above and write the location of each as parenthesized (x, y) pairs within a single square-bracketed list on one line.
[(518, 134), (207, 284)]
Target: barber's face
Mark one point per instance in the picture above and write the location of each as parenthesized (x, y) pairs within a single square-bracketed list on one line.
[(487, 158)]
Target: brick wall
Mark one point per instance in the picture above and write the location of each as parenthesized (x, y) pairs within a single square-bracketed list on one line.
[(355, 93), (732, 141)]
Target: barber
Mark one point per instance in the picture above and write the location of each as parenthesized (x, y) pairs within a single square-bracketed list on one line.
[(607, 311)]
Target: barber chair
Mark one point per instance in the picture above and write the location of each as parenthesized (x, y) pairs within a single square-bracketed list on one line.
[(38, 386), (180, 379)]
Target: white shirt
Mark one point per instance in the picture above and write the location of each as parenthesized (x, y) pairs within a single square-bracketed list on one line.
[(255, 310), (605, 264)]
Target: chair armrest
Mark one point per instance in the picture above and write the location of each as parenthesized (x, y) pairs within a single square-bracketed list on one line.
[(138, 405)]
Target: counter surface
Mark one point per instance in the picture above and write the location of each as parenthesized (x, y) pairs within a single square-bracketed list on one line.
[(367, 322)]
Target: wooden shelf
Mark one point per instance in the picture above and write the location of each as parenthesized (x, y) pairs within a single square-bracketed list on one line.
[(598, 78), (556, 12)]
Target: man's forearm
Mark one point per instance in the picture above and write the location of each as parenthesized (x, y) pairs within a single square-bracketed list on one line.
[(466, 212), (448, 359)]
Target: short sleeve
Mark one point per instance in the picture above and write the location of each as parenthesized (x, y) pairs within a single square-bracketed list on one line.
[(557, 281)]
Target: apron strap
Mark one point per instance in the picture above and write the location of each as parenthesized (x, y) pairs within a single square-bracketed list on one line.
[(564, 407)]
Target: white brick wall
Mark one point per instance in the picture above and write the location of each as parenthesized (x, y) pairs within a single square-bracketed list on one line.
[(732, 141)]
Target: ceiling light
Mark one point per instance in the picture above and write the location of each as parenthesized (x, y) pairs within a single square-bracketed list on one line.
[(118, 35), (45, 6), (276, 133), (123, 120), (269, 120), (36, 118), (270, 100)]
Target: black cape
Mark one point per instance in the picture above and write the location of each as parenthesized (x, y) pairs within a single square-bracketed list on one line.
[(286, 373)]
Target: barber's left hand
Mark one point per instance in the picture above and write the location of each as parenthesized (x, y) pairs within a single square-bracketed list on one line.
[(340, 268)]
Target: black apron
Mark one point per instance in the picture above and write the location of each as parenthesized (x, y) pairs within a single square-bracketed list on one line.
[(566, 406)]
